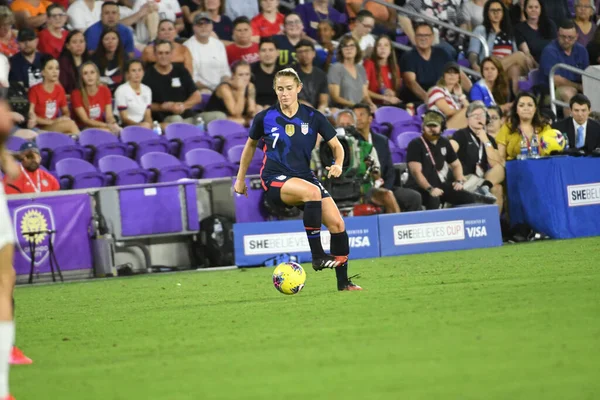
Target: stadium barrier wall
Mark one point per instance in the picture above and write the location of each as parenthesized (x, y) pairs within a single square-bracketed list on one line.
[(375, 236)]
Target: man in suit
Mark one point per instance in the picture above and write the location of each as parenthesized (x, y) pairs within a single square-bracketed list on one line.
[(581, 131), (407, 199)]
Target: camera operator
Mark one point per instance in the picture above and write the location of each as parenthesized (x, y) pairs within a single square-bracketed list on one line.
[(407, 199)]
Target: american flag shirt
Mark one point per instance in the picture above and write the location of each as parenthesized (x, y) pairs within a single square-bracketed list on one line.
[(503, 45)]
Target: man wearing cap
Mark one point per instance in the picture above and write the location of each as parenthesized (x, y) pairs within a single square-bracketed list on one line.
[(32, 179), (430, 159), (26, 65), (208, 55), (478, 155)]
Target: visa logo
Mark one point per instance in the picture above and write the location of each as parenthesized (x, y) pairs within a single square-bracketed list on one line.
[(359, 241), (476, 231)]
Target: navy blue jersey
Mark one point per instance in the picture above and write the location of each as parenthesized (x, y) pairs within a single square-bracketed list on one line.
[(289, 141)]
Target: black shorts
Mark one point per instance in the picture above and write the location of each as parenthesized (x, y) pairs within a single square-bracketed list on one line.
[(273, 184)]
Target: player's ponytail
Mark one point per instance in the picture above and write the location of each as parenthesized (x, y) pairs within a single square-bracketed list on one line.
[(287, 72)]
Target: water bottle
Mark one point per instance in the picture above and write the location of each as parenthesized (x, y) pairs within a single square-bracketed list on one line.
[(200, 123), (156, 128), (524, 152), (535, 147), (404, 178), (217, 234)]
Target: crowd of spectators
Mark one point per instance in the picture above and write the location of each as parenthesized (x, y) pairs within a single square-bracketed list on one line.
[(107, 65)]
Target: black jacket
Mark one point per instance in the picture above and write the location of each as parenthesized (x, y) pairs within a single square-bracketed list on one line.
[(592, 133), (382, 147)]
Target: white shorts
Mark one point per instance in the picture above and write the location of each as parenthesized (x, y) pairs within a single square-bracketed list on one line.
[(6, 231)]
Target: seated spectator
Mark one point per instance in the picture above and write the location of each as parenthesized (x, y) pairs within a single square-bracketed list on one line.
[(146, 31), (448, 98), (109, 19), (430, 158), (181, 54), (26, 65), (236, 98), (448, 11), (8, 36), (48, 100), (92, 102), (497, 30), (524, 122), (133, 99), (53, 37), (110, 57), (30, 13), (242, 48), (174, 94), (208, 72), (347, 78), (493, 88), (385, 17), (311, 13), (269, 22), (293, 30), (496, 120), (32, 179), (241, 8), (383, 193), (533, 34), (361, 31), (584, 23), (327, 47), (478, 154), (263, 74), (315, 92), (222, 25), (84, 13), (423, 66), (565, 50), (472, 13), (73, 54), (383, 73), (581, 131)]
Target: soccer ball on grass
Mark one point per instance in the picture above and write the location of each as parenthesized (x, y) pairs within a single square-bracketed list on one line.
[(289, 278)]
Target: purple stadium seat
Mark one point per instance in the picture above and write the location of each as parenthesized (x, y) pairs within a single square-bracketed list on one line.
[(99, 143), (78, 174), (207, 163), (402, 142), (167, 168), (223, 130), (250, 208), (235, 154), (57, 146), (123, 171), (14, 143), (448, 133), (421, 110), (396, 153), (391, 115), (184, 137), (143, 140)]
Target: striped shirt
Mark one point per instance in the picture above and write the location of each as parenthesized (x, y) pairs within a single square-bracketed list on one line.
[(441, 93)]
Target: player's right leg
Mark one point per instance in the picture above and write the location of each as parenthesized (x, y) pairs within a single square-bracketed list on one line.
[(300, 192), (7, 327)]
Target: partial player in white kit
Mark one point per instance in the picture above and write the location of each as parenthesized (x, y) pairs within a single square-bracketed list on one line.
[(7, 272)]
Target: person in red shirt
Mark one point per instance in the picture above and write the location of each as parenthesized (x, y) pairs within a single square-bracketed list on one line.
[(269, 22), (92, 103), (242, 47), (32, 179), (48, 99), (52, 39), (383, 73)]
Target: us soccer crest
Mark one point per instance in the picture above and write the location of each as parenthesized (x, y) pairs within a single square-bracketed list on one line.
[(304, 128), (31, 226), (290, 129), (443, 151)]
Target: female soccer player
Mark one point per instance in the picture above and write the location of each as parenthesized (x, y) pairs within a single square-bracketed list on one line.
[(289, 130), (7, 273)]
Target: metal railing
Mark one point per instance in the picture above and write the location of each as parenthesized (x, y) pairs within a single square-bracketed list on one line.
[(553, 101), (432, 21)]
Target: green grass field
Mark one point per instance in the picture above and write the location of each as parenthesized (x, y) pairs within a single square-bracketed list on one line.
[(516, 322)]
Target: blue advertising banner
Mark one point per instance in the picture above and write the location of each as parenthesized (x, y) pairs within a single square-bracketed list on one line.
[(439, 230), (65, 219), (559, 196), (257, 242)]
